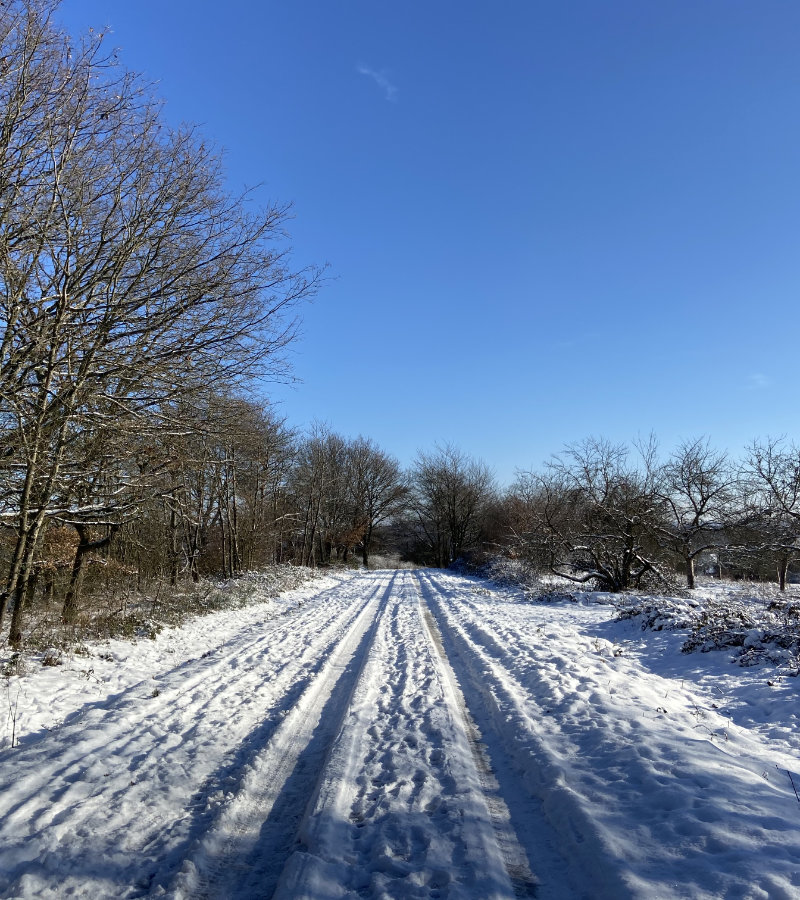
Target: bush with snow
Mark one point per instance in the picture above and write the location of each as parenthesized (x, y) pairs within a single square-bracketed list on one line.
[(754, 623)]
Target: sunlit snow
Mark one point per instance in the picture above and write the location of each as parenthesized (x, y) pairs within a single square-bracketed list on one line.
[(409, 734)]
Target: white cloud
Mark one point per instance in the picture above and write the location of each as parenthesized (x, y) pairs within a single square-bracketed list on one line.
[(381, 79), (758, 381)]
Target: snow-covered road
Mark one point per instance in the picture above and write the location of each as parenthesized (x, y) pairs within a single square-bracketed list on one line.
[(397, 735), (401, 809)]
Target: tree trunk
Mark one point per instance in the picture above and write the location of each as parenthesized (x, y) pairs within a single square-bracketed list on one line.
[(86, 545), (223, 539), (14, 572), (23, 595), (15, 630), (25, 572), (30, 590), (69, 611), (49, 584), (23, 535), (365, 547), (783, 566), (689, 572), (233, 521), (174, 549)]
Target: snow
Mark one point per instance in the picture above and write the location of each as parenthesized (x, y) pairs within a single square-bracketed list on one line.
[(401, 734)]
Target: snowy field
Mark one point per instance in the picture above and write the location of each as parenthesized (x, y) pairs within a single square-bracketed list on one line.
[(401, 735)]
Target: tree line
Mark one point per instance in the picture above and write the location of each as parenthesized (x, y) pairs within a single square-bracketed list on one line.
[(141, 305), (622, 517)]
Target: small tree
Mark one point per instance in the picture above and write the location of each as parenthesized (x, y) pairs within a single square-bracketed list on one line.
[(771, 475), (697, 489), (450, 497), (593, 516), (378, 489)]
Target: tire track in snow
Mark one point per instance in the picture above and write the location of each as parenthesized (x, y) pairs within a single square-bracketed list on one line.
[(514, 856), (565, 852), (104, 768), (400, 812), (244, 853), (174, 687)]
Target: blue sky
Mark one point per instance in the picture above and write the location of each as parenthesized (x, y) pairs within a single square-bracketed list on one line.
[(543, 220)]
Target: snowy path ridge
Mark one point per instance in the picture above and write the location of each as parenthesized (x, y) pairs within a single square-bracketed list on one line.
[(515, 859)]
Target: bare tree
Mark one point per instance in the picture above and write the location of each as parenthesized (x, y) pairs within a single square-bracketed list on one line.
[(594, 513), (771, 474), (450, 497), (264, 449), (378, 490), (127, 274), (527, 514), (697, 487), (309, 491)]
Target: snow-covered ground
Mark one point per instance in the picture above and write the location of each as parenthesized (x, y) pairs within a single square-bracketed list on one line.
[(401, 734)]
